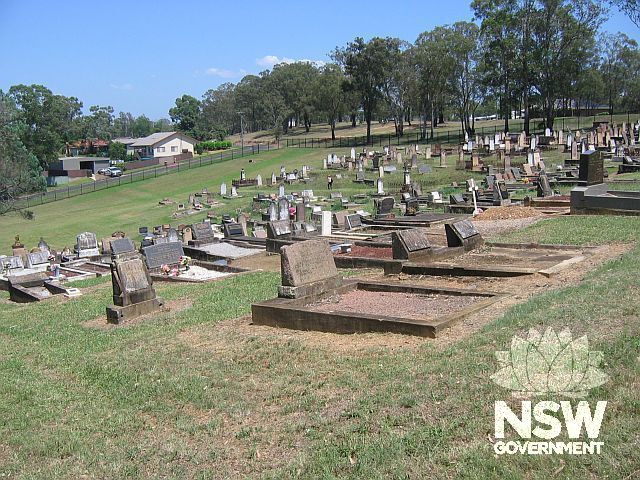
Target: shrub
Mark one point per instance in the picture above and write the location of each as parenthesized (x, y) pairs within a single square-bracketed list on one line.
[(212, 145)]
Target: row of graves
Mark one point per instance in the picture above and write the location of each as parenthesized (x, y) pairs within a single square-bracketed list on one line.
[(314, 296)]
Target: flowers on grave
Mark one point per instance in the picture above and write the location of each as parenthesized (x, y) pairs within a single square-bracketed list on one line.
[(165, 269), (185, 261)]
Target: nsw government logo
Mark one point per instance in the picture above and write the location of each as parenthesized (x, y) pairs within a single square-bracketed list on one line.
[(552, 366)]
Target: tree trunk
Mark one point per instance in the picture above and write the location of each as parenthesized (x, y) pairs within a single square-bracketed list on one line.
[(368, 118), (433, 114), (333, 129), (353, 120)]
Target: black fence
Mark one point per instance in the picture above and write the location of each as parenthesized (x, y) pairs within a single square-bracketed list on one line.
[(139, 175)]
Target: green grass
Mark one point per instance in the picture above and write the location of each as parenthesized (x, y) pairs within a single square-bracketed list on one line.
[(579, 230), (186, 396), (126, 207)]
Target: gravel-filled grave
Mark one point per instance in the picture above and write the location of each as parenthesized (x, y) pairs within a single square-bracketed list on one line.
[(396, 304)]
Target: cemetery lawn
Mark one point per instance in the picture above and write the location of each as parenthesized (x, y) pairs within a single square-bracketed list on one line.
[(129, 206), (198, 393)]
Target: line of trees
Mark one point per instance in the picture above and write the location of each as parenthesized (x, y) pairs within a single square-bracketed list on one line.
[(520, 58)]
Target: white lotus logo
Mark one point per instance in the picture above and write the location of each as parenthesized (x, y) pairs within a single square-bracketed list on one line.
[(549, 363)]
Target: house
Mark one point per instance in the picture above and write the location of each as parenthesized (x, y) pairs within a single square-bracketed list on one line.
[(88, 146), (67, 168), (161, 145)]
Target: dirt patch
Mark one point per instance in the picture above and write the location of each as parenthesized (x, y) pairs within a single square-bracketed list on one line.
[(507, 213), (490, 228), (369, 252), (402, 305), (168, 310), (262, 261)]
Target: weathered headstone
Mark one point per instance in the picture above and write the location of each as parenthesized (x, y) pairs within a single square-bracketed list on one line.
[(307, 268), (384, 206), (87, 245), (223, 189), (380, 186), (273, 211), (203, 233), (38, 260), (278, 228), (133, 292), (283, 209), (544, 188), (233, 230), (259, 180)]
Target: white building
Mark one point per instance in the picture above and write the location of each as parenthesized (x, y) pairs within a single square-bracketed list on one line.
[(158, 145)]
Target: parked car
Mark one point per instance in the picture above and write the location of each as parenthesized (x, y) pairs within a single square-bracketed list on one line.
[(113, 172), (104, 171)]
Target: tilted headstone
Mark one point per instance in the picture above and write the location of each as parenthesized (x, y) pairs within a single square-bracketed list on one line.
[(278, 228), (544, 188), (133, 292), (463, 234), (410, 244), (163, 254), (353, 221), (307, 268)]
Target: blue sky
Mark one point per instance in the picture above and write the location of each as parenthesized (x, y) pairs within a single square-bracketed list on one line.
[(138, 56)]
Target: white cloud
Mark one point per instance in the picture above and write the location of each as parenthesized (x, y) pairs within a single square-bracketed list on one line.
[(223, 73), (271, 60), (121, 86)]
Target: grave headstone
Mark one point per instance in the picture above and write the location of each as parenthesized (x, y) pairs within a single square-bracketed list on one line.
[(273, 211), (38, 261), (278, 228), (121, 245), (133, 292), (353, 221), (544, 188), (463, 234), (223, 189), (325, 229), (591, 167), (283, 209), (410, 244), (259, 180), (87, 245), (233, 230), (167, 253), (203, 233), (384, 206), (380, 186), (307, 268)]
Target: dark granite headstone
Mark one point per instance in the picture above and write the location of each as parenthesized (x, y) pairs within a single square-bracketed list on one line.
[(353, 221), (591, 167), (143, 230), (544, 188), (424, 169), (408, 244), (463, 234), (163, 254), (457, 199), (121, 245), (384, 205), (233, 230)]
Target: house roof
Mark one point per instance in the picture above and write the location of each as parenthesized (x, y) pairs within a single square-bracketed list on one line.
[(156, 138), (125, 140)]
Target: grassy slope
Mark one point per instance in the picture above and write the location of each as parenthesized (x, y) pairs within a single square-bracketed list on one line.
[(132, 205), (145, 401)]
